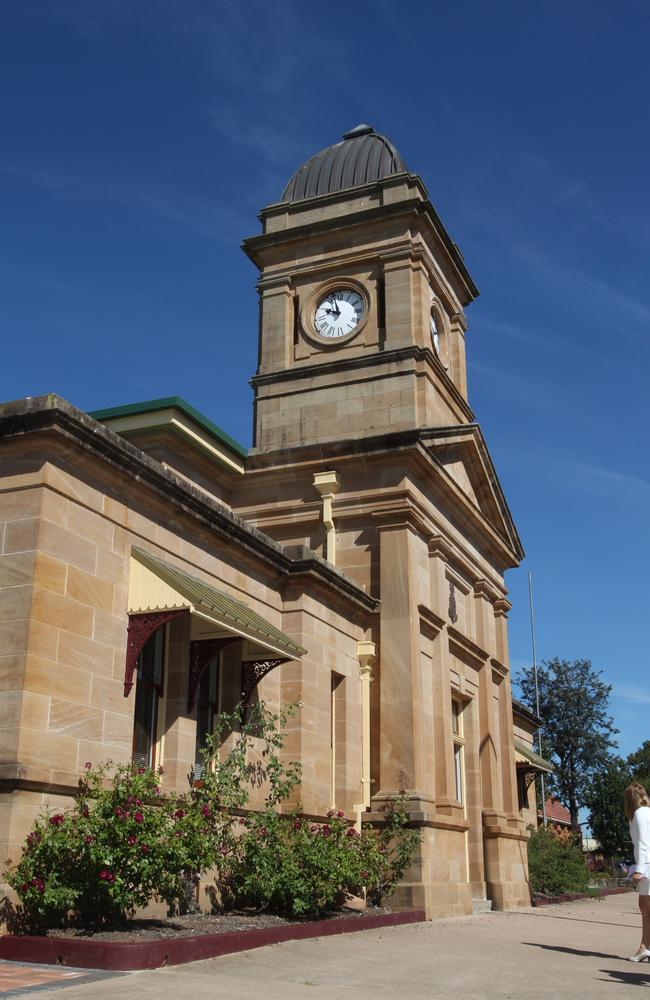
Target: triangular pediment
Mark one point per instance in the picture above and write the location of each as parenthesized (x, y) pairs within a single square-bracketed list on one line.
[(463, 455)]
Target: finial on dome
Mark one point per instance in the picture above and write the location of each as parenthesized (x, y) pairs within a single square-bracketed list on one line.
[(359, 130)]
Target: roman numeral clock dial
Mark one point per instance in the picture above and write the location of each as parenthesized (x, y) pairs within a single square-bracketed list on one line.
[(339, 313)]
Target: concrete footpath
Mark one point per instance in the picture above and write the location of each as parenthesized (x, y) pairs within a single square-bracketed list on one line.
[(566, 951)]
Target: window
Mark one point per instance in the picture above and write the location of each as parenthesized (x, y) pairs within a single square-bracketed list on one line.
[(207, 706), (148, 698), (459, 748)]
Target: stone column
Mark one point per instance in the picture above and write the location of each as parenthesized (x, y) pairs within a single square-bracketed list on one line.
[(367, 654), (490, 750), (444, 779), (398, 285), (400, 763)]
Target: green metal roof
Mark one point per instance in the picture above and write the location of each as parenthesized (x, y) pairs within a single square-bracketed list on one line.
[(169, 402), (227, 610), (533, 758)]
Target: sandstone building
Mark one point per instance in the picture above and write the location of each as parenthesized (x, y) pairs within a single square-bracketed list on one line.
[(153, 572)]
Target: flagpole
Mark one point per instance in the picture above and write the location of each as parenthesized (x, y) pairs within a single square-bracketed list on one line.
[(539, 731)]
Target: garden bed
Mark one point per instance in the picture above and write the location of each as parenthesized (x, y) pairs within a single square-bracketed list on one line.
[(573, 897), (149, 944)]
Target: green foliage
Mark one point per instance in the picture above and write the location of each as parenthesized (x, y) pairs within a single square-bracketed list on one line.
[(604, 799), (573, 704), (117, 848), (124, 843), (639, 763), (555, 867), (291, 866)]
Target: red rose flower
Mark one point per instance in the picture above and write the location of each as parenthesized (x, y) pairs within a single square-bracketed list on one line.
[(131, 840), (88, 765), (145, 848), (205, 811), (88, 839), (341, 814), (138, 817), (56, 820)]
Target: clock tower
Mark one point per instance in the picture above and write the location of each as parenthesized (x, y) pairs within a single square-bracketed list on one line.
[(362, 291), (366, 452)]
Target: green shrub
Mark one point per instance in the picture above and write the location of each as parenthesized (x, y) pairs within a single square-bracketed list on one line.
[(124, 843), (556, 867), (118, 847), (291, 866)]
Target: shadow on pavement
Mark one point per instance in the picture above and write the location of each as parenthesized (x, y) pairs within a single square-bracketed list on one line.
[(571, 951), (627, 978)]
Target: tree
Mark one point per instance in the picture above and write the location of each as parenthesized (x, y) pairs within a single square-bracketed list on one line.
[(604, 799), (576, 726), (639, 763)]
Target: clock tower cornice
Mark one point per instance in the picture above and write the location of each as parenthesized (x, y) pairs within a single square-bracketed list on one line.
[(266, 249)]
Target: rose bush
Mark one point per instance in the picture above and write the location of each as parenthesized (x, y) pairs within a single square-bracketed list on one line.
[(294, 867), (125, 842)]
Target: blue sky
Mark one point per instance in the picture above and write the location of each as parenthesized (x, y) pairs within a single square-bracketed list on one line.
[(141, 137)]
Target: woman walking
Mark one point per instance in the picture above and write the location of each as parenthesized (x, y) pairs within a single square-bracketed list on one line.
[(637, 810)]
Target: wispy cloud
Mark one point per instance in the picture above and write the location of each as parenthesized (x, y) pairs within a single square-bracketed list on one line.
[(630, 692), (589, 288), (214, 220), (606, 478)]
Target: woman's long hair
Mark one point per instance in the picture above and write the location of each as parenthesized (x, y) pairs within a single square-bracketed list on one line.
[(635, 796)]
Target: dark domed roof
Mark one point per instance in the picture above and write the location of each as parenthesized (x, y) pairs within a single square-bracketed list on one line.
[(362, 157)]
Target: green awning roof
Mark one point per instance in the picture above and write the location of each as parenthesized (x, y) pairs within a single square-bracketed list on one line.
[(225, 611), (530, 757)]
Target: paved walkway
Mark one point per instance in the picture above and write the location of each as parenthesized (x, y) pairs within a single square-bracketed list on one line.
[(576, 950)]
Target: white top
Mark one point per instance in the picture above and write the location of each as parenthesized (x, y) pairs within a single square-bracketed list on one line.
[(640, 833)]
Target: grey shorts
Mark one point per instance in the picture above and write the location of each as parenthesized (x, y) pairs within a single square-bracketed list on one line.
[(644, 887)]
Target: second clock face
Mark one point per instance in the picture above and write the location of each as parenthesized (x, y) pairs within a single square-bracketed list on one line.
[(339, 313)]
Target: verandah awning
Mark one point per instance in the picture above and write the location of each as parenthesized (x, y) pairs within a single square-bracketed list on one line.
[(155, 585), (528, 760), (158, 592)]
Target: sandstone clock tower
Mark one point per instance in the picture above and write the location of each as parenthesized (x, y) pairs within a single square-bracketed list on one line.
[(355, 226), (366, 450)]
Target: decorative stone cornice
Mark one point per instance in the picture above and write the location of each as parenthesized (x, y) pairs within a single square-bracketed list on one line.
[(460, 319), (501, 607), (483, 588), (402, 515), (430, 621), (499, 667), (465, 649), (79, 434)]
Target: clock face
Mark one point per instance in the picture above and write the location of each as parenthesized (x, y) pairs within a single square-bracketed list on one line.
[(339, 313), (435, 336)]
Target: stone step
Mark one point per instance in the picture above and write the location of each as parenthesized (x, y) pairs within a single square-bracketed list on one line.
[(481, 905)]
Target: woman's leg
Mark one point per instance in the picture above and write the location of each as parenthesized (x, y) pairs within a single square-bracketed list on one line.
[(644, 906)]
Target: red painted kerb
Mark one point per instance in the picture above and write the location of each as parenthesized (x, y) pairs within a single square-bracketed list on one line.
[(125, 956)]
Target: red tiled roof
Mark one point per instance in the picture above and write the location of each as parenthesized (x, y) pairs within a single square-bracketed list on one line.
[(556, 812)]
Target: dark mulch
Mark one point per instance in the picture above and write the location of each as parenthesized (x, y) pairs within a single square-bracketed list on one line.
[(197, 924)]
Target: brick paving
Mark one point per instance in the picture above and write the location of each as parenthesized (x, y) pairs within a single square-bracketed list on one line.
[(18, 979)]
